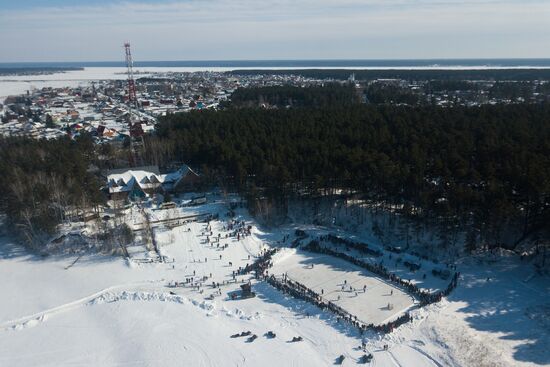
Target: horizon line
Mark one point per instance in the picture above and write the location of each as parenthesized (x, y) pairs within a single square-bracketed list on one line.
[(293, 60)]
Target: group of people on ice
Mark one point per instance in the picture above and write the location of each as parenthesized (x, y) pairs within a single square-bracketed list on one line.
[(423, 296), (302, 292), (237, 229), (261, 265)]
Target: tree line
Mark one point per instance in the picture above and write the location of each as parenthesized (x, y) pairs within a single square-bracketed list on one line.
[(42, 181), (429, 74), (292, 96), (485, 168)]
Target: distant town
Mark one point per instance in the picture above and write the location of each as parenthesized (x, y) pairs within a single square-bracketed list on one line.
[(102, 107)]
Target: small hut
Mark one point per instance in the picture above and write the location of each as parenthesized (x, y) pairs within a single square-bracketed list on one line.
[(246, 291)]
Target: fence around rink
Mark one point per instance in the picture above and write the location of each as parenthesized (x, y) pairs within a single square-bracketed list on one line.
[(300, 291), (424, 297)]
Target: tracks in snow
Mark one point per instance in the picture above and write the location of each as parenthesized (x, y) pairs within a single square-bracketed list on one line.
[(32, 320), (403, 356), (144, 291), (436, 363), (393, 359)]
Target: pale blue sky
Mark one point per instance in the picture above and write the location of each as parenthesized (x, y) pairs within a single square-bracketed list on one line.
[(63, 30)]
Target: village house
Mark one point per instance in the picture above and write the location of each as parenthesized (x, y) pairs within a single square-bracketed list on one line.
[(141, 182)]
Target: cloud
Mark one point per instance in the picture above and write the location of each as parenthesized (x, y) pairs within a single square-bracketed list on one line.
[(280, 29)]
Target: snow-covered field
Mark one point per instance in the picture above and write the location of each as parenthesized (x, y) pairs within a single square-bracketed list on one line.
[(106, 311)]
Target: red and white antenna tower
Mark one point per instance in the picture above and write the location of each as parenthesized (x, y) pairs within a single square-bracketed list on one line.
[(132, 99)]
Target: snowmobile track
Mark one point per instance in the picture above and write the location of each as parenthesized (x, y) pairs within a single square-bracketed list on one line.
[(31, 320)]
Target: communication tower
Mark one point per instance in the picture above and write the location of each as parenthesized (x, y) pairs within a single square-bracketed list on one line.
[(132, 101)]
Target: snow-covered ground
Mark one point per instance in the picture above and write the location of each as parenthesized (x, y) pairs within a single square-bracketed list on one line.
[(106, 311)]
